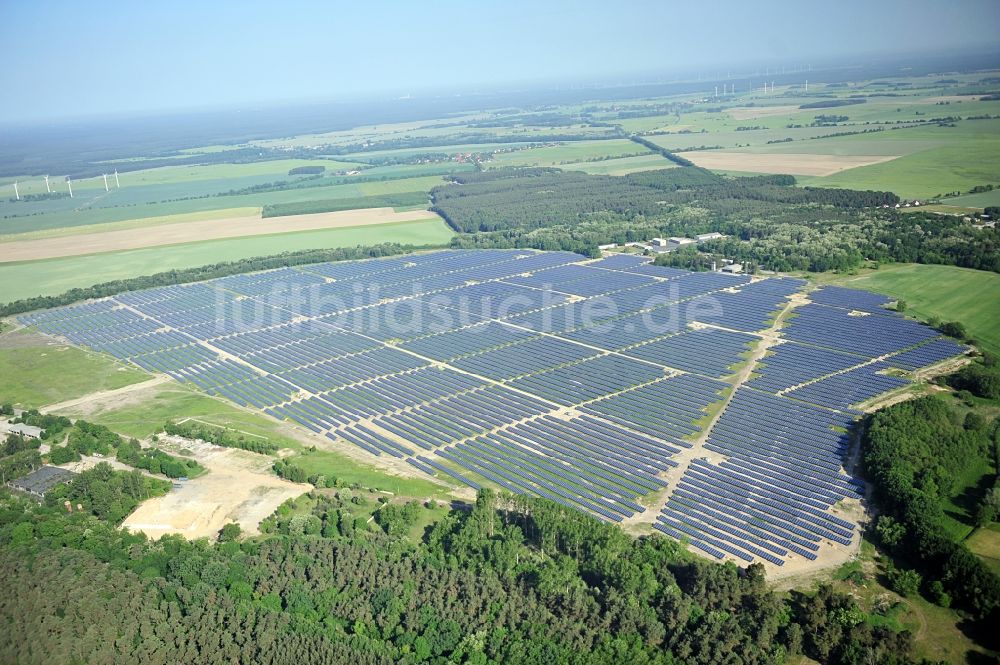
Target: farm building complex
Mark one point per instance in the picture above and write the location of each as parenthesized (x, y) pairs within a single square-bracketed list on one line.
[(41, 480), (716, 407)]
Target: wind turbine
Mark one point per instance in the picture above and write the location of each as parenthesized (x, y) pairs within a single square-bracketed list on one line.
[(47, 188), (118, 185), (106, 182), (69, 183), (17, 194)]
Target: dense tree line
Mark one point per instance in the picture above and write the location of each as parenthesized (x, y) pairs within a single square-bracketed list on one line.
[(157, 461), (982, 379), (19, 456), (691, 258), (185, 276), (306, 170), (913, 453), (106, 493), (660, 150), (221, 436), (289, 471), (513, 580)]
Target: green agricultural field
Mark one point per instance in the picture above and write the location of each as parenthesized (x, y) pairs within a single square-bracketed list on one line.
[(165, 175), (34, 374), (144, 222), (945, 292), (924, 174), (621, 165), (54, 276), (568, 153), (932, 159), (152, 201), (405, 153), (983, 200)]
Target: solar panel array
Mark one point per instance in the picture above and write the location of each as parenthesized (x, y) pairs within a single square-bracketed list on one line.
[(587, 382)]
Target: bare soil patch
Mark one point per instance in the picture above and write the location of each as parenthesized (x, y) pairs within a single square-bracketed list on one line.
[(792, 164), (239, 487), (27, 339), (184, 232)]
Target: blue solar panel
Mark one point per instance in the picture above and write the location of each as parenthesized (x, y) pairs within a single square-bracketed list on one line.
[(548, 374)]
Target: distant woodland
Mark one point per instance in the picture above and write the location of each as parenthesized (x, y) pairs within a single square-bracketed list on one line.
[(768, 220)]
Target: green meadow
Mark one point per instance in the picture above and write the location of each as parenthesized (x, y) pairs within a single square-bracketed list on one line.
[(35, 374), (621, 165), (568, 153)]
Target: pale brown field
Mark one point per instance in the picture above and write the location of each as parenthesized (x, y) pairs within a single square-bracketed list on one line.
[(195, 231), (792, 164)]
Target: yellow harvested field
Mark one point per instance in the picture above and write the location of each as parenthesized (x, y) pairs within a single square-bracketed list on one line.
[(195, 231), (791, 164), (239, 487), (753, 112)]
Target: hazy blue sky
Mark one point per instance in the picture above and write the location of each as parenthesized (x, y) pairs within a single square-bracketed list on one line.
[(74, 58)]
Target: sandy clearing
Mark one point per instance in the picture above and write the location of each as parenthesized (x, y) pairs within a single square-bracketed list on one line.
[(752, 112), (239, 487), (790, 163), (183, 232), (118, 397)]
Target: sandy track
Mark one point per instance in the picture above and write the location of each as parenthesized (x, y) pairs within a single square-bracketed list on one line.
[(183, 232), (790, 163)]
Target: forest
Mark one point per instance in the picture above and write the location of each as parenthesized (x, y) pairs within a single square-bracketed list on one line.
[(508, 580), (768, 221), (915, 453)]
